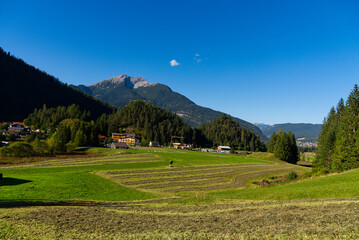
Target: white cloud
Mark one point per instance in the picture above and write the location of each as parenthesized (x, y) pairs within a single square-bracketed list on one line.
[(174, 63), (197, 58)]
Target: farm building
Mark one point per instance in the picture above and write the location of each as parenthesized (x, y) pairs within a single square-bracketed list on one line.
[(223, 149), (130, 139), (120, 145)]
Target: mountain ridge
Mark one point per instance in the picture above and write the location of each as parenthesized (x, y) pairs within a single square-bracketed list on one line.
[(130, 82), (309, 131), (117, 91)]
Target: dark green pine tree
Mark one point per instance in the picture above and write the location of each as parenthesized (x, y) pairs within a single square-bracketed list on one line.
[(284, 146), (327, 138), (346, 153), (272, 142), (294, 152)]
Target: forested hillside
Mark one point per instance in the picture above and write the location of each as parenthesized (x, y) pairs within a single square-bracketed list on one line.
[(225, 131), (118, 90), (338, 144), (148, 122), (24, 88)]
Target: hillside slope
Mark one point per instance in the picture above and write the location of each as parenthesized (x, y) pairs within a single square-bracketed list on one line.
[(24, 88), (118, 90), (301, 130)]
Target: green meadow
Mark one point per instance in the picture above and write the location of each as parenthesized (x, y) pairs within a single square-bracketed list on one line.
[(79, 179), (136, 194)]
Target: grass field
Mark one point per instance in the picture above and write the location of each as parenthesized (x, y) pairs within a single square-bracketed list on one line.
[(135, 194)]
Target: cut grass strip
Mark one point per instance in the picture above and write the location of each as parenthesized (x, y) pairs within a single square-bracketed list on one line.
[(86, 161), (156, 178), (181, 169), (66, 186), (337, 185), (186, 171)]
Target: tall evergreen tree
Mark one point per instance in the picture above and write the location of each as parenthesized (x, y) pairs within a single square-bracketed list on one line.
[(327, 137), (272, 143), (346, 153), (284, 146)]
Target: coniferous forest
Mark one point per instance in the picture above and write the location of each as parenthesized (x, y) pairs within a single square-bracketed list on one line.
[(224, 131), (148, 122), (338, 143)]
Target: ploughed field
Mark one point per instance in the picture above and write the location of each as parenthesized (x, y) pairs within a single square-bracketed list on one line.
[(135, 194)]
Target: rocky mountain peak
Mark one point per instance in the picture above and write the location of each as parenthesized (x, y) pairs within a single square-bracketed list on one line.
[(130, 82)]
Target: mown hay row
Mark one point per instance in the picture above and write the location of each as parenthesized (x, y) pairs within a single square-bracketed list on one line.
[(335, 221), (158, 170), (150, 174), (183, 183), (87, 161), (225, 173), (240, 181)]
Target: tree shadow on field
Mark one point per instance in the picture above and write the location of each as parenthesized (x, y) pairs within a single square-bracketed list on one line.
[(8, 181), (76, 203)]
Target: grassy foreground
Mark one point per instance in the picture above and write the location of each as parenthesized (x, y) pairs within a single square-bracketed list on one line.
[(136, 195), (142, 174)]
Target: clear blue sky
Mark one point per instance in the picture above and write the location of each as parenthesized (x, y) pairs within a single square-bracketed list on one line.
[(261, 60)]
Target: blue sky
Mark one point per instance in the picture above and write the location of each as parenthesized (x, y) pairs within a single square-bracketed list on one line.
[(261, 60)]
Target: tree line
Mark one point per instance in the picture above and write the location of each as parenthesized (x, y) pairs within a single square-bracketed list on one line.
[(149, 123), (69, 127), (223, 130), (338, 143)]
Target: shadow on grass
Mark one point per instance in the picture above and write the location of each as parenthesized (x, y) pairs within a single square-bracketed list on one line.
[(12, 181), (308, 165), (32, 203)]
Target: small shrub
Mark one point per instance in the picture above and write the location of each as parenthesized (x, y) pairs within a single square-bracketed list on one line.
[(292, 176), (320, 171), (17, 149), (307, 174)]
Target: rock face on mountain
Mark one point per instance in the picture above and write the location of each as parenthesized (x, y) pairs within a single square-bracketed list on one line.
[(129, 82), (119, 90)]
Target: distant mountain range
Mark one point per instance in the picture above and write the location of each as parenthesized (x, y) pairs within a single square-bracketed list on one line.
[(24, 88), (119, 90), (301, 130)]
